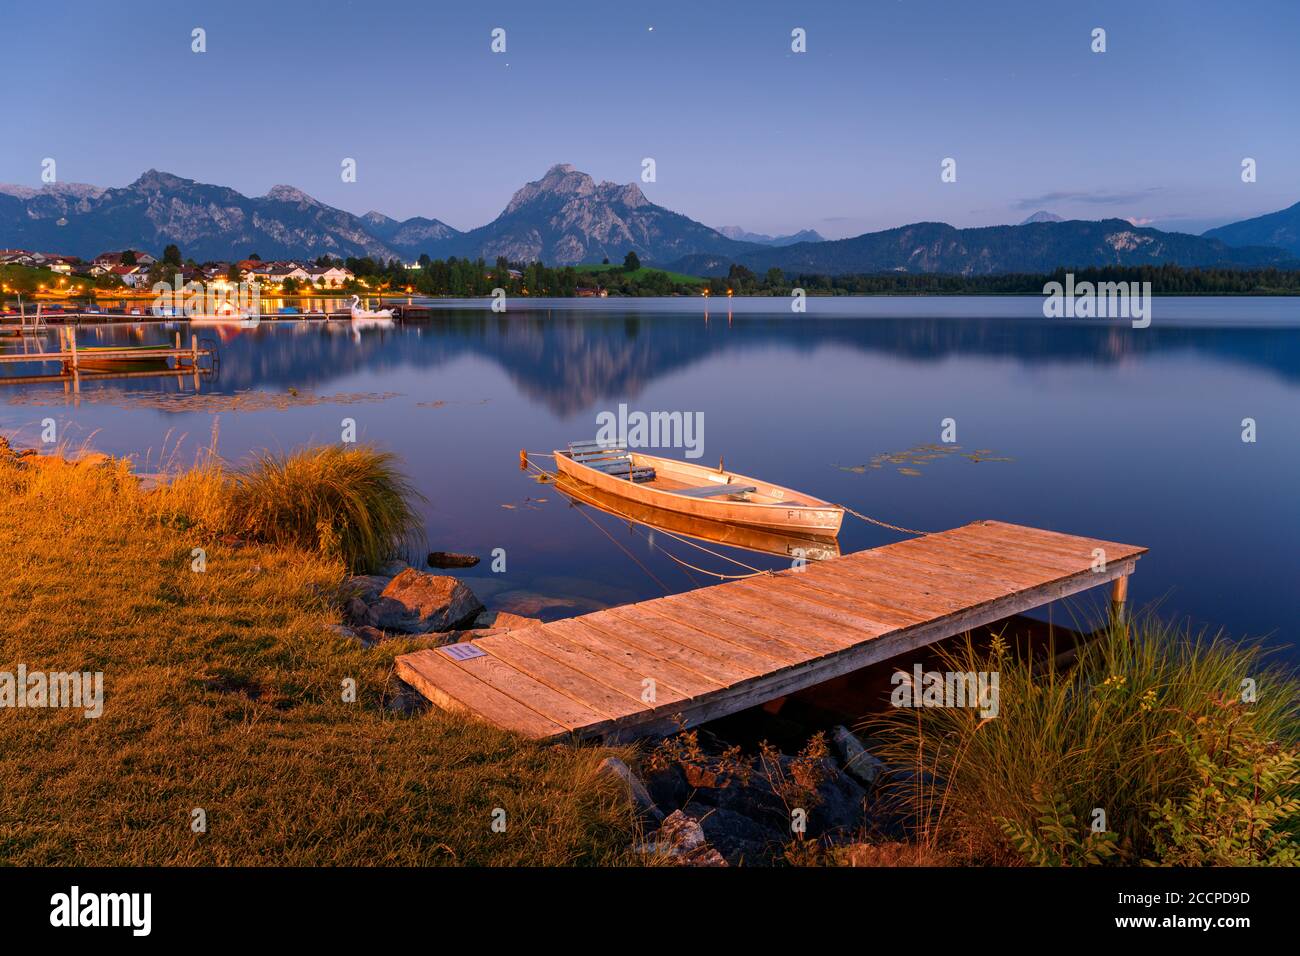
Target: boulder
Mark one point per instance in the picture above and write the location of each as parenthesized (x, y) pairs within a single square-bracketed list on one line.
[(532, 604), (451, 559), (357, 610), (504, 621), (841, 807), (416, 603), (370, 636), (738, 838), (668, 786), (859, 763), (681, 838), (633, 788), (367, 587)]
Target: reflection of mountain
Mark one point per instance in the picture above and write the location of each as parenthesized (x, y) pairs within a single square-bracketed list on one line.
[(569, 362)]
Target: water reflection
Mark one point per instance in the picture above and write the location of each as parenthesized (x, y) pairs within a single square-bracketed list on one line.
[(1122, 434)]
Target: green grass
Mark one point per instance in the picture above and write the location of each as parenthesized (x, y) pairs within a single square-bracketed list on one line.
[(1100, 733), (224, 691), (643, 272)]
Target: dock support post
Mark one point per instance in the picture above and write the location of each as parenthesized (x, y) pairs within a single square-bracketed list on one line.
[(1118, 603)]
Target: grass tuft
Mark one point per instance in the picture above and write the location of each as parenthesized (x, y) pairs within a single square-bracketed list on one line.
[(1099, 733), (353, 503)]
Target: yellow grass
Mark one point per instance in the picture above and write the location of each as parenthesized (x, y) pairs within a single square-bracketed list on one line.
[(224, 691)]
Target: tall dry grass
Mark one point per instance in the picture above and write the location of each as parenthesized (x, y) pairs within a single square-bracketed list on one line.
[(224, 691), (1099, 732), (351, 502)]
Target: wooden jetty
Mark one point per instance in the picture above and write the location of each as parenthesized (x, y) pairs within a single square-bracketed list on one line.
[(72, 356), (655, 667), (81, 363)]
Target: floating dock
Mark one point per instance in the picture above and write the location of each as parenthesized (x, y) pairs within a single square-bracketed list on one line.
[(659, 666)]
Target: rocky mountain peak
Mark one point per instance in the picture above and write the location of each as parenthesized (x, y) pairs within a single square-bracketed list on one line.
[(561, 182), (629, 194), (283, 193), (154, 180)]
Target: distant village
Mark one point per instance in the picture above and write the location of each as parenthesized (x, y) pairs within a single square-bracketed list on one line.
[(134, 272), (132, 268)]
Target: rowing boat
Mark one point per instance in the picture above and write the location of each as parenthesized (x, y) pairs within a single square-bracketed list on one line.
[(696, 490), (809, 545)]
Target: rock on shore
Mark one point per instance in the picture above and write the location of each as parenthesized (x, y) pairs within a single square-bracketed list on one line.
[(415, 602)]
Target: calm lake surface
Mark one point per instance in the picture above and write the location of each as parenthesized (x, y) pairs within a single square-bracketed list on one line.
[(1113, 432)]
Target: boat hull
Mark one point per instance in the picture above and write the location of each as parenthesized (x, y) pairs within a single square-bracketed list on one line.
[(792, 512), (780, 542)]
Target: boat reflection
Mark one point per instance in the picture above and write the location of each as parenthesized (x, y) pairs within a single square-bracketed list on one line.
[(810, 548)]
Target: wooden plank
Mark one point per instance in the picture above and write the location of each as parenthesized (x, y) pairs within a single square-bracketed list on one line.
[(560, 676), (653, 652), (910, 600), (609, 671), (812, 642), (945, 580), (444, 683), (939, 555), (533, 694), (1017, 550), (1061, 539), (730, 660), (691, 614), (891, 589), (839, 612), (939, 579), (603, 639), (1047, 543)]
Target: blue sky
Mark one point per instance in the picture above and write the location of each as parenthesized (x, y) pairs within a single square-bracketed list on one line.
[(845, 138)]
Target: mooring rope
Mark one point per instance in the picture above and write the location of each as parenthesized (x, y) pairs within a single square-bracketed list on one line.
[(883, 524)]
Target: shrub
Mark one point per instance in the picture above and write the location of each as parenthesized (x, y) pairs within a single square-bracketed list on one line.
[(1244, 806)]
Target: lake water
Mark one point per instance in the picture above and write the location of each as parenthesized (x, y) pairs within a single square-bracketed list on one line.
[(1090, 427)]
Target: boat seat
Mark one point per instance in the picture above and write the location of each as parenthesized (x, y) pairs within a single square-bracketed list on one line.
[(594, 448), (627, 470), (588, 457), (609, 464), (709, 491), (615, 461)]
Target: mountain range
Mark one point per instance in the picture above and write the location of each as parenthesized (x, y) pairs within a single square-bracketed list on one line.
[(566, 217), (1280, 229), (741, 235)]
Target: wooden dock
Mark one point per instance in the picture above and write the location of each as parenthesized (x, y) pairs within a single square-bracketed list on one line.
[(72, 356), (655, 667)]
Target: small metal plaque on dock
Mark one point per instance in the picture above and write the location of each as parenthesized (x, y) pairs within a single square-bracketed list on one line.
[(466, 651)]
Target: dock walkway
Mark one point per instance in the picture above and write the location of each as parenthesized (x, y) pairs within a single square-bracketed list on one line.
[(655, 667)]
